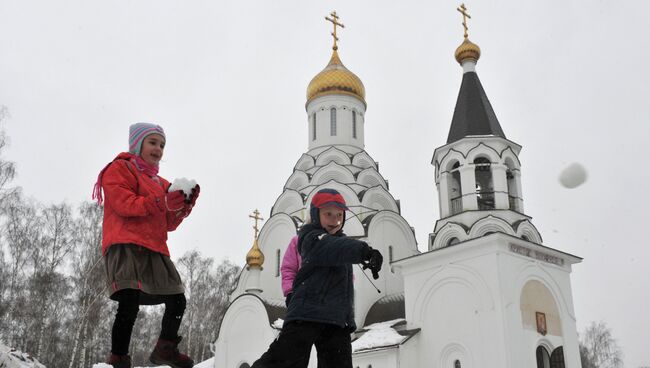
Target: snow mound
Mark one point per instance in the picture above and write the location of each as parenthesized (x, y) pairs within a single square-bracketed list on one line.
[(378, 335), (205, 364), (11, 358)]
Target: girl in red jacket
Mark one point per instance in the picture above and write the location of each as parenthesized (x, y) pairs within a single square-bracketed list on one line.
[(138, 212)]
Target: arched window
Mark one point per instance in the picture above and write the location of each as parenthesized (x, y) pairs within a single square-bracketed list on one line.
[(455, 190), (354, 124), (313, 127), (333, 121), (484, 184), (244, 365), (453, 241), (557, 358), (543, 359), (277, 263), (457, 364)]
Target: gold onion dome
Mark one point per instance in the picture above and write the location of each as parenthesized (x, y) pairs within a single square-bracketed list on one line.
[(335, 79), (467, 50), (255, 257)]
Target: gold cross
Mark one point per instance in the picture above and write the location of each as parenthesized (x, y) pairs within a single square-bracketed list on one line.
[(256, 217), (335, 22), (463, 11)]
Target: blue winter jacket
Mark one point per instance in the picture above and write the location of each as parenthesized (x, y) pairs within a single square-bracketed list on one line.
[(323, 290)]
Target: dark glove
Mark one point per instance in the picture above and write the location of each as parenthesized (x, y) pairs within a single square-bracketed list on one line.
[(195, 194), (172, 201), (373, 261)]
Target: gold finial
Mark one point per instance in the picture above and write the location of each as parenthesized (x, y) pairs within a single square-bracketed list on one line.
[(463, 11), (255, 257), (257, 217), (467, 50), (335, 22)]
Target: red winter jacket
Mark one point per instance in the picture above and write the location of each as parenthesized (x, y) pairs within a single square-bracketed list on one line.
[(126, 219)]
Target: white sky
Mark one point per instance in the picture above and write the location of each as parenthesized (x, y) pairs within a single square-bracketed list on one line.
[(227, 81)]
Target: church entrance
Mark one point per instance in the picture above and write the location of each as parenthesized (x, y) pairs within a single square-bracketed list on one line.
[(554, 360)]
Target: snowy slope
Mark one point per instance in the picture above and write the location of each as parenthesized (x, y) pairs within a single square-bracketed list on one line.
[(10, 358)]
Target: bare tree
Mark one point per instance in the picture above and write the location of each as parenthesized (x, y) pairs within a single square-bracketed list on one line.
[(598, 348)]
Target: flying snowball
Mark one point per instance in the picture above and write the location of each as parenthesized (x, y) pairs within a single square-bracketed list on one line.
[(573, 176), (183, 184)]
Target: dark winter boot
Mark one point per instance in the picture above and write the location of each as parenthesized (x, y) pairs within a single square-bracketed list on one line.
[(119, 361), (166, 352)]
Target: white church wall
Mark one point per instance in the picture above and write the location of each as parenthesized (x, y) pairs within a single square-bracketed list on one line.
[(378, 358), (344, 106), (245, 333), (274, 236)]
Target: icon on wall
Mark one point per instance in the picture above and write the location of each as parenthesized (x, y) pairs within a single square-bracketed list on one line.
[(541, 322)]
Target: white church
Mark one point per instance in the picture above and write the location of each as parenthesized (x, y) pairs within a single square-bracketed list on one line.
[(486, 293)]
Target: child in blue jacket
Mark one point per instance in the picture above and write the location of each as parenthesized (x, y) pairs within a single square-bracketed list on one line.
[(321, 310)]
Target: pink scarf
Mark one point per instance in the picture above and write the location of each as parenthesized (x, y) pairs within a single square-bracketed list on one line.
[(142, 166)]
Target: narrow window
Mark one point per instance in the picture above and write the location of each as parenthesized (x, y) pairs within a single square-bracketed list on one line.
[(313, 127), (390, 253), (333, 121), (277, 263), (354, 124)]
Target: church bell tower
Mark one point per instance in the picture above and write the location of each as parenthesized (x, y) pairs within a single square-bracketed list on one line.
[(477, 173)]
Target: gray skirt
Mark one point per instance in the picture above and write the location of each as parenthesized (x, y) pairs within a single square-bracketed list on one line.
[(130, 266)]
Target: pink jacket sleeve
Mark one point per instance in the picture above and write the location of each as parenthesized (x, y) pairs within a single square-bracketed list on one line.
[(290, 265)]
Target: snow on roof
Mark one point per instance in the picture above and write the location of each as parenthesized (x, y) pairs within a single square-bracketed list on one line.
[(378, 335)]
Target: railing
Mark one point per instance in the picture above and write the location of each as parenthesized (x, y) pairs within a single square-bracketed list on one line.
[(456, 205), (485, 200)]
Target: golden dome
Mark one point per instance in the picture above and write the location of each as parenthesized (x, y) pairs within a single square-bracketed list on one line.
[(255, 257), (467, 50), (336, 79)]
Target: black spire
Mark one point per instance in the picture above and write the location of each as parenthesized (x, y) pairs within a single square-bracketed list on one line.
[(473, 114)]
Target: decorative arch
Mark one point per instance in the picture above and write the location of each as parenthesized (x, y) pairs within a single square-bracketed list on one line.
[(333, 154), (535, 298), (448, 160), (447, 275), (370, 178), (483, 150), (447, 233), (378, 198), (289, 202), (526, 230), (275, 224), (456, 352), (490, 224), (297, 180), (332, 171), (363, 160), (508, 155), (374, 227), (533, 271), (305, 162), (348, 193)]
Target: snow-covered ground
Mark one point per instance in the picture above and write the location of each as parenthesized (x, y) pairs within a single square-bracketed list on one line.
[(10, 358), (205, 364)]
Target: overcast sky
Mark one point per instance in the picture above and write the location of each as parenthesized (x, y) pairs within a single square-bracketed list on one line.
[(227, 81)]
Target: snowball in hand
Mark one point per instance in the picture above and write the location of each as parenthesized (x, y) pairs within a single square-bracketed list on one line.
[(183, 184), (573, 176)]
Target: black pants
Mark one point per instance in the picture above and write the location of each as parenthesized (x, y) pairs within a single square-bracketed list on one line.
[(127, 312), (292, 348)]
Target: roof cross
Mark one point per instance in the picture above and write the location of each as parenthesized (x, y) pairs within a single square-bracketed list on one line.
[(257, 217), (463, 11), (335, 22)]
